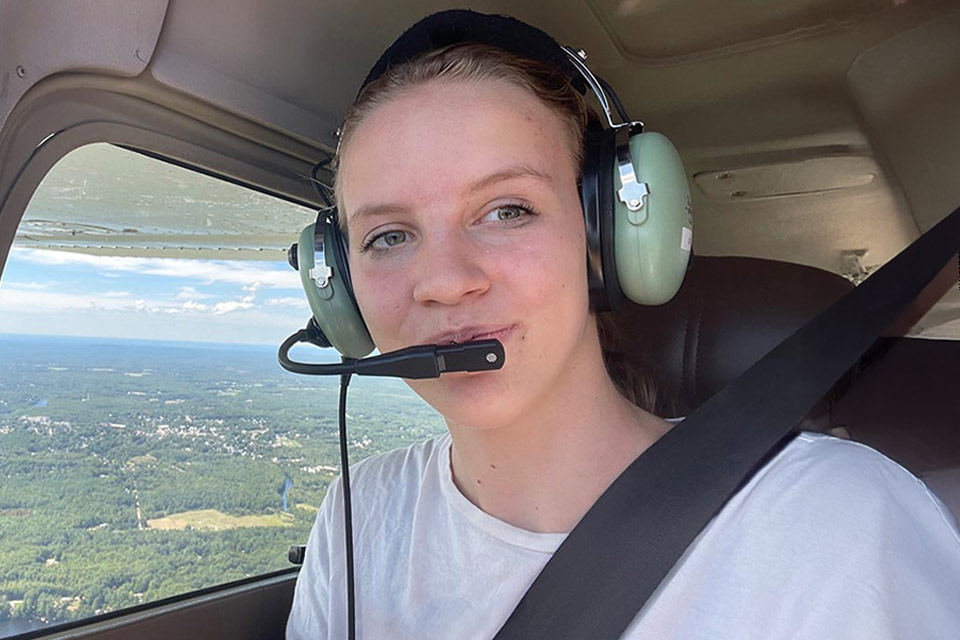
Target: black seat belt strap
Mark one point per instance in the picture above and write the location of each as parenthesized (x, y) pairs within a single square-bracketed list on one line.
[(621, 550)]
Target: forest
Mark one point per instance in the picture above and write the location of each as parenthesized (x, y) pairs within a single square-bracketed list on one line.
[(132, 471)]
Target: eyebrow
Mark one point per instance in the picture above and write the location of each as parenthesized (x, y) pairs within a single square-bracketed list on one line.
[(509, 173)]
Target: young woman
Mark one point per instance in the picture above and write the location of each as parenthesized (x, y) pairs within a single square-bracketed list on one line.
[(457, 187)]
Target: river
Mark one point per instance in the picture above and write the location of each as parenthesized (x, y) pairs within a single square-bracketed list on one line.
[(287, 483), (16, 626)]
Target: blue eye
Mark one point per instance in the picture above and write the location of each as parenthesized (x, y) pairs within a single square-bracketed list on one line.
[(385, 241), (508, 213)]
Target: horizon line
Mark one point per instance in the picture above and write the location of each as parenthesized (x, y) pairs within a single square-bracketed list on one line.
[(4, 334)]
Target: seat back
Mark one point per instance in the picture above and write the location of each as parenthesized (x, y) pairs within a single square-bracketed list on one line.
[(729, 313)]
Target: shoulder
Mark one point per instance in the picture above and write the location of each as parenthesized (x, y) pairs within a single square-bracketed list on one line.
[(829, 539), (841, 503), (817, 472)]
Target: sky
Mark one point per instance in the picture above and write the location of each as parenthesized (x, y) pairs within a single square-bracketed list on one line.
[(234, 301), (117, 195)]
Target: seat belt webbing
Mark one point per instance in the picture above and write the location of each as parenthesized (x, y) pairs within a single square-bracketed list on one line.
[(621, 550)]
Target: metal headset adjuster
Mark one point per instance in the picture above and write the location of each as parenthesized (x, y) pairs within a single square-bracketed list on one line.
[(321, 272), (633, 192)]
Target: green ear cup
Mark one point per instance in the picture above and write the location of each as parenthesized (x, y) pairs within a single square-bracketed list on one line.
[(335, 312), (653, 242)]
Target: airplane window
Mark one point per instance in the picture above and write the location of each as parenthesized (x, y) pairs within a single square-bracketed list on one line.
[(152, 445)]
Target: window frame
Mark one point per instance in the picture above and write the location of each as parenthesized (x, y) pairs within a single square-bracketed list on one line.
[(61, 114), (272, 592)]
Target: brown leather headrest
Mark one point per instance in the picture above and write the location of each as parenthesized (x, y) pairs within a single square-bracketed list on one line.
[(728, 314)]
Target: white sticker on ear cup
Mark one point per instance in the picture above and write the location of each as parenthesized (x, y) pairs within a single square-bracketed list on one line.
[(686, 238)]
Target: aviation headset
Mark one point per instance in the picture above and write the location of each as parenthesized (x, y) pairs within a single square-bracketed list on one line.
[(633, 188)]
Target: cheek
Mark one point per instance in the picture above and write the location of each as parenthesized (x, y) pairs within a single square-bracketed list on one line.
[(381, 305), (552, 275), (570, 256)]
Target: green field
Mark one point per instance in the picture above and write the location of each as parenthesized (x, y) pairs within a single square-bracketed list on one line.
[(133, 471)]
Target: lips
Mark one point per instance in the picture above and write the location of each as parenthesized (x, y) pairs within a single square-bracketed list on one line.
[(469, 334)]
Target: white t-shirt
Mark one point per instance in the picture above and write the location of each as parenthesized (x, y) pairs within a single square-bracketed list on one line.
[(829, 540)]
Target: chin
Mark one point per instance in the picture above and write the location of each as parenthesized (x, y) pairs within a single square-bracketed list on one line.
[(482, 400)]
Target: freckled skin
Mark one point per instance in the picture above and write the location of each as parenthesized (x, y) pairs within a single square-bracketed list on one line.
[(422, 149)]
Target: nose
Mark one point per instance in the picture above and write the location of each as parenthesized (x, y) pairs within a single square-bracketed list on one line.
[(451, 268)]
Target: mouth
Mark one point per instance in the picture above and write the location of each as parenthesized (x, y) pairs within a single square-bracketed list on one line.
[(469, 334)]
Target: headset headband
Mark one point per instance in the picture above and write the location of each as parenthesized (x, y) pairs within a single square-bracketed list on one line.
[(633, 189), (460, 25)]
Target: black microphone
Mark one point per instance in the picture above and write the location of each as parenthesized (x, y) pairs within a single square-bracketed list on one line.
[(413, 363)]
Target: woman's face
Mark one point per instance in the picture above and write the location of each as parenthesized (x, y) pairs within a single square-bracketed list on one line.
[(465, 223)]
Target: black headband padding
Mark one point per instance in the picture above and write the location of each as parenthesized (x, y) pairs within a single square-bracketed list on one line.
[(459, 25)]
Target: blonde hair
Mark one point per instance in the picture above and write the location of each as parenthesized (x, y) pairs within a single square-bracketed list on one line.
[(471, 62)]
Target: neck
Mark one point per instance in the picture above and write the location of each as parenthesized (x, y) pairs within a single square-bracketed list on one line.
[(543, 471)]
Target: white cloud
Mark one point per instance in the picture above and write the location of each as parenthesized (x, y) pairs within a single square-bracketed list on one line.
[(14, 300), (250, 326), (190, 293), (36, 286), (295, 303), (26, 301), (226, 307), (253, 287), (252, 274), (130, 308), (190, 305)]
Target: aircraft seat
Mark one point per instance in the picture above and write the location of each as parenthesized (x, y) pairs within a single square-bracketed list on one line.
[(728, 314), (732, 310)]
